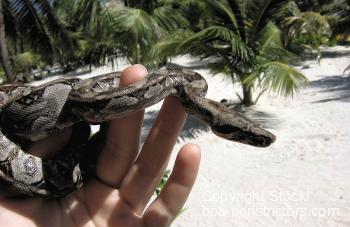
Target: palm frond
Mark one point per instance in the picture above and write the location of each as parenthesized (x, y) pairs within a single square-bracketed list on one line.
[(270, 45), (169, 19), (88, 13), (307, 29), (31, 24), (223, 11), (53, 24), (35, 25), (169, 45), (218, 37), (270, 36), (237, 7), (25, 59), (262, 12), (136, 22), (277, 77), (308, 22), (11, 23), (136, 30)]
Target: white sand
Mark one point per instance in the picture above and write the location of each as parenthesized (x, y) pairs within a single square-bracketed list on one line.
[(303, 179), (308, 165)]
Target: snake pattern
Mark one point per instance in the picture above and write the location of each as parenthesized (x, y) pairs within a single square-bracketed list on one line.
[(30, 113)]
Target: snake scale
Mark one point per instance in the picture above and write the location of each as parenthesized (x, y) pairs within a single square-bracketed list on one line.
[(30, 113)]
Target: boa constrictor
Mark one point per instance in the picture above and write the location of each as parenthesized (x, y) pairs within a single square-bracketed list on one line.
[(29, 113)]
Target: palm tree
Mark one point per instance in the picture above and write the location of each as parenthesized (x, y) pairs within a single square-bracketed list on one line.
[(90, 24), (141, 24), (338, 15), (37, 22), (243, 41), (4, 56), (35, 26), (306, 30)]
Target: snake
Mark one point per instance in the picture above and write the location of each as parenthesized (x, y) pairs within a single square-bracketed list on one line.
[(30, 113)]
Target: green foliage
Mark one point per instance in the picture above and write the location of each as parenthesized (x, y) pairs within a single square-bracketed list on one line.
[(136, 30), (243, 40), (139, 28), (305, 29), (169, 45), (338, 15), (2, 73), (168, 18), (162, 183), (26, 60), (24, 63), (277, 77), (222, 39), (271, 47), (196, 12), (91, 27), (32, 27), (35, 24)]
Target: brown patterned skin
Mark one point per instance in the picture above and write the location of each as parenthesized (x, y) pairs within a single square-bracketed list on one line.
[(32, 113)]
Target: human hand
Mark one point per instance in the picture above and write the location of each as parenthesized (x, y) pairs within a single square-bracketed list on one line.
[(127, 179)]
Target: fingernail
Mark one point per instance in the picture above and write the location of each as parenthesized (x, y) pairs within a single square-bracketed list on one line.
[(141, 66)]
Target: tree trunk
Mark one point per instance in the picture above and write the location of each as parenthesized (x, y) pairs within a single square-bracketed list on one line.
[(247, 95), (4, 57)]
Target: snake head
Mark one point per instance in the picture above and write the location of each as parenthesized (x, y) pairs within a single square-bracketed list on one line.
[(252, 135), (235, 127), (225, 122)]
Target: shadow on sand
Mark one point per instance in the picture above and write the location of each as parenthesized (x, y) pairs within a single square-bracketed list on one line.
[(190, 130), (264, 119), (337, 88), (328, 53), (193, 126), (334, 53)]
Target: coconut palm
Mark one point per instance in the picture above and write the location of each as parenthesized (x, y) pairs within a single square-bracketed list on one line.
[(4, 56), (35, 26), (338, 15), (91, 27), (244, 42), (139, 25), (24, 63), (306, 30)]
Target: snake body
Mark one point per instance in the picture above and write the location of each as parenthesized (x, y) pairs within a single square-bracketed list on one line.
[(30, 113)]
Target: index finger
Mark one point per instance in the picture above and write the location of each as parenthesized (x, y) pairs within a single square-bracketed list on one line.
[(123, 137)]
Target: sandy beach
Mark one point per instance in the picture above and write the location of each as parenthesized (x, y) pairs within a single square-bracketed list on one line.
[(303, 179)]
